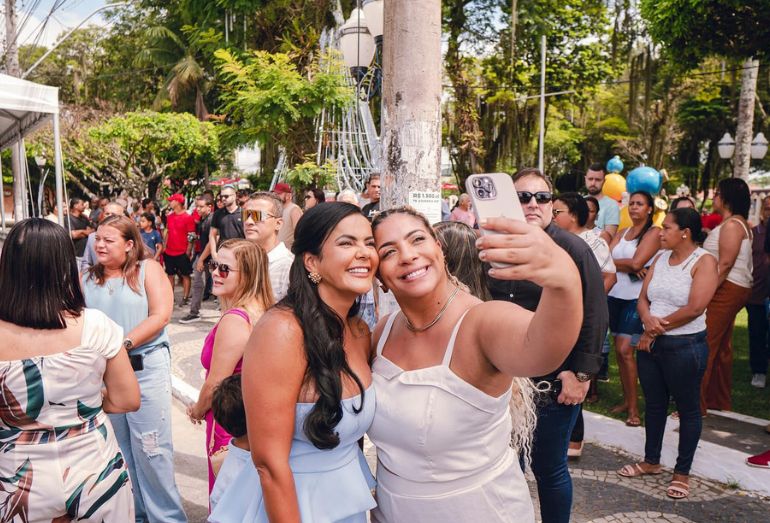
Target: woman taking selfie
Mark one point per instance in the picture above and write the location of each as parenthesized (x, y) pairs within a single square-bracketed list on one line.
[(444, 367)]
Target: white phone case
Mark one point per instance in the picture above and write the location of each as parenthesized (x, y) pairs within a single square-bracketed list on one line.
[(494, 196)]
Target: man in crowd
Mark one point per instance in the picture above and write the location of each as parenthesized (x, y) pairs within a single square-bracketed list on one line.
[(242, 197), (291, 214), (609, 212), (101, 203), (373, 207), (180, 234), (262, 222), (89, 255), (564, 389), (204, 205), (226, 222), (79, 227)]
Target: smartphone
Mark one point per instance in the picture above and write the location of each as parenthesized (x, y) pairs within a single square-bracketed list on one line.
[(493, 195)]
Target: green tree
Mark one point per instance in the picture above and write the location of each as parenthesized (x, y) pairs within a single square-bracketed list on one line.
[(692, 30), (267, 98)]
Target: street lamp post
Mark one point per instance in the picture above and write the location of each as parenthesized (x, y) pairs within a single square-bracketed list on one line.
[(357, 44)]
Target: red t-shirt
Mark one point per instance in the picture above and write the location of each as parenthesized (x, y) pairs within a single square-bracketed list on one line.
[(178, 226), (710, 221)]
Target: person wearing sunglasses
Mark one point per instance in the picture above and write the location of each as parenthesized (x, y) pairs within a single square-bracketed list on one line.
[(557, 412), (262, 224), (226, 222), (243, 288)]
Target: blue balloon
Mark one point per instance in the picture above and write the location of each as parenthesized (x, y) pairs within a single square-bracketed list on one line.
[(615, 165), (644, 179)]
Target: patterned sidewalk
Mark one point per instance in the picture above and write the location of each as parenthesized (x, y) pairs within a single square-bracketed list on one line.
[(600, 495)]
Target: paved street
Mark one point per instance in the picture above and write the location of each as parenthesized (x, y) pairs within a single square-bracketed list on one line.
[(600, 494)]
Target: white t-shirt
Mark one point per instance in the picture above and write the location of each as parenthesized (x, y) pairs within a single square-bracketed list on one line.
[(235, 460), (279, 262)]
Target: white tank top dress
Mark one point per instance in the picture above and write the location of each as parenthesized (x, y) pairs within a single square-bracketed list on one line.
[(626, 288), (443, 447)]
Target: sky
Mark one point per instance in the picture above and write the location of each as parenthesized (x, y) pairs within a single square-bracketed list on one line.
[(71, 13)]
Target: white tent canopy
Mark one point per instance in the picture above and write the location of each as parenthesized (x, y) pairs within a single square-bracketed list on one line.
[(24, 106)]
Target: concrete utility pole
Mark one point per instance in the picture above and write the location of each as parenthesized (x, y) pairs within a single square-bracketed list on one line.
[(12, 67), (411, 113), (745, 130)]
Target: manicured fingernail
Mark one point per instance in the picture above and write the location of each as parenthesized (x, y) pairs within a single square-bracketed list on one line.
[(483, 255), (491, 272), (483, 222)]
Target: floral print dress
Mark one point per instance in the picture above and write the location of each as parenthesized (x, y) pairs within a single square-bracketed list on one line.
[(59, 460)]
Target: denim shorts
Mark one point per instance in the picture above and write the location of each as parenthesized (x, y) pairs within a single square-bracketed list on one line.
[(624, 319)]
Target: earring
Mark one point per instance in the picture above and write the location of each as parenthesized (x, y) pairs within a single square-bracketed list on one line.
[(314, 277), (684, 236)]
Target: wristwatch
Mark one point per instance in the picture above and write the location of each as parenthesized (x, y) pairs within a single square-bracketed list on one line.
[(582, 377), (128, 344)]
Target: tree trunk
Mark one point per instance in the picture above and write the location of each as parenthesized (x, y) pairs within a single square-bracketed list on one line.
[(411, 118), (745, 129)]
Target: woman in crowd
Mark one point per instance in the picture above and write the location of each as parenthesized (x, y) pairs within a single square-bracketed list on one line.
[(135, 293), (571, 212), (313, 197), (449, 358), (730, 243), (61, 368), (307, 383), (242, 284), (682, 202), (672, 352), (632, 249), (593, 213), (462, 211)]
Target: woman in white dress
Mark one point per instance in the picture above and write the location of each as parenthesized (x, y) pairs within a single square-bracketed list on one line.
[(444, 366)]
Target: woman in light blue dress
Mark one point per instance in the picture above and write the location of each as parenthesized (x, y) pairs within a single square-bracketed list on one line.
[(307, 383)]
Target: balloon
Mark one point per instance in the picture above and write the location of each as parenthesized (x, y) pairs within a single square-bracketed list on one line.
[(625, 219), (644, 179), (614, 185), (615, 165)]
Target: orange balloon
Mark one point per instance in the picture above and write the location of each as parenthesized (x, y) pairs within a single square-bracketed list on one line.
[(614, 186)]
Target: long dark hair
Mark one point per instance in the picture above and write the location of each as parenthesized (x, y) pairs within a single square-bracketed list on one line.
[(649, 222), (322, 328), (39, 279), (736, 196)]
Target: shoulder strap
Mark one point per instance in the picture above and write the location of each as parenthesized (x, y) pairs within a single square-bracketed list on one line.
[(239, 312), (450, 348), (386, 332), (745, 229)]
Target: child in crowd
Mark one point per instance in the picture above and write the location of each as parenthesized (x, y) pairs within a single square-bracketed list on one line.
[(150, 236), (228, 411)]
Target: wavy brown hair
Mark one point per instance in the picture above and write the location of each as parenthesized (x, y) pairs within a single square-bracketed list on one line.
[(130, 268), (254, 293)]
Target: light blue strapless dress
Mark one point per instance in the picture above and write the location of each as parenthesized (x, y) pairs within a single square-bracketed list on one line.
[(333, 486)]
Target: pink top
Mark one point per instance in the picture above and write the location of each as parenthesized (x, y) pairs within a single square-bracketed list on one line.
[(221, 437), (461, 215)]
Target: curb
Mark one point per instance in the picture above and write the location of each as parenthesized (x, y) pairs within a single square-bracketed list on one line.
[(183, 391)]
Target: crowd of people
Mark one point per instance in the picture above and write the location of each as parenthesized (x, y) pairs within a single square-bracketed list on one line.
[(341, 319)]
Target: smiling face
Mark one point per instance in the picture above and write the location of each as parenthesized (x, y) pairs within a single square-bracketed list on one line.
[(411, 260), (348, 260), (539, 214), (110, 246), (225, 286)]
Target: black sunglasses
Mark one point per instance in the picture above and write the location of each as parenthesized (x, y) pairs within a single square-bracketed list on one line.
[(540, 196), (223, 268)]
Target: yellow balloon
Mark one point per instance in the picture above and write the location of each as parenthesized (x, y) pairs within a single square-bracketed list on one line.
[(625, 219), (614, 186)]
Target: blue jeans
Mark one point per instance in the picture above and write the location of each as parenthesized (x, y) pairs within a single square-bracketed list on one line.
[(674, 367), (144, 437), (759, 341), (549, 460)]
